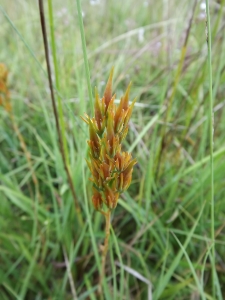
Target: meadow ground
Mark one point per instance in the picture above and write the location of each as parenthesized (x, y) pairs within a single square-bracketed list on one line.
[(167, 236)]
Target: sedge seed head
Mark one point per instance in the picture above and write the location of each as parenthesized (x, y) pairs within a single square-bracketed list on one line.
[(111, 168)]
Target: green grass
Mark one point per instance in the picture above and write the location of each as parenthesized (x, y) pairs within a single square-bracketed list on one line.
[(164, 225)]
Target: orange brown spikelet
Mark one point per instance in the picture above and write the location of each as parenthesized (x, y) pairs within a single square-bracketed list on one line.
[(111, 169), (111, 197), (4, 92), (94, 142), (97, 199), (108, 89), (98, 111)]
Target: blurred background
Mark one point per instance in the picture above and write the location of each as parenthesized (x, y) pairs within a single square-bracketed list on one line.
[(162, 228)]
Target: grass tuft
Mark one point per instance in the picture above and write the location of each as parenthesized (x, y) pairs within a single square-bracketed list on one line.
[(167, 240)]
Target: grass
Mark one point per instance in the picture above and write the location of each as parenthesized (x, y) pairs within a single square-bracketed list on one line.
[(167, 236)]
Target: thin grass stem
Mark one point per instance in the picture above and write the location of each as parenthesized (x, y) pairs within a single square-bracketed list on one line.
[(106, 246), (57, 82), (69, 177), (84, 48), (211, 129)]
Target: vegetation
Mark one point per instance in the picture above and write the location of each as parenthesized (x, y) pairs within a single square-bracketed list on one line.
[(161, 243)]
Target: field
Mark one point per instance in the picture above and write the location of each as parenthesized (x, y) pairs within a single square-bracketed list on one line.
[(167, 236)]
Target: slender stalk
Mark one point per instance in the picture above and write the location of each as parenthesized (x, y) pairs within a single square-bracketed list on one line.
[(69, 177), (106, 246), (57, 83), (87, 72), (211, 128)]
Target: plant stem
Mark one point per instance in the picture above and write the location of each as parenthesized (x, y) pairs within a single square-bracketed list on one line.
[(87, 72), (211, 125), (57, 81), (61, 146), (106, 246)]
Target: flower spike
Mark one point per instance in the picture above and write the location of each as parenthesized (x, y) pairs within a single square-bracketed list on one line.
[(111, 168)]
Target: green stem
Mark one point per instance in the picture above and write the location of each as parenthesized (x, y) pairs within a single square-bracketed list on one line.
[(55, 111), (60, 109), (87, 72), (211, 124), (106, 246)]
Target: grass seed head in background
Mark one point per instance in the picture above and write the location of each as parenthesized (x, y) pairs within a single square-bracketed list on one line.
[(111, 168), (4, 92)]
